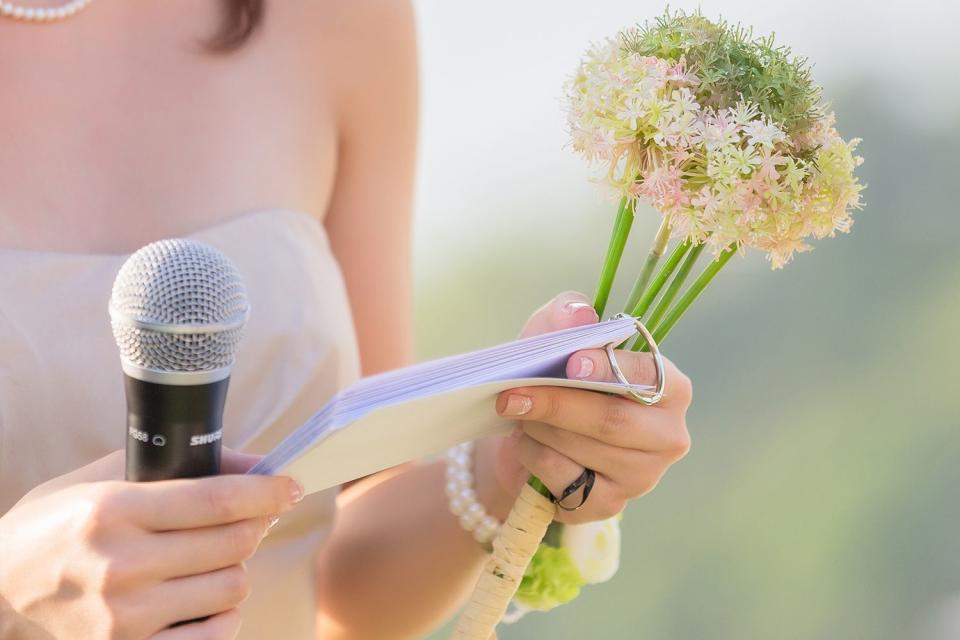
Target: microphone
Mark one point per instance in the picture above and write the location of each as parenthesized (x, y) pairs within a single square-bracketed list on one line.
[(177, 311)]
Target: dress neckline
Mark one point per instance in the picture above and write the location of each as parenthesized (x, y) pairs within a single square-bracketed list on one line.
[(243, 218)]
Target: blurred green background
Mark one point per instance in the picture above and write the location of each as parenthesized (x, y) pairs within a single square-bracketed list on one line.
[(819, 500)]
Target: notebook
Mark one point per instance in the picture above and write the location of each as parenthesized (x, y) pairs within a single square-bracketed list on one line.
[(411, 413)]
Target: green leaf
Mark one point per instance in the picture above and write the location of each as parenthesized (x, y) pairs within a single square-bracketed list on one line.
[(551, 579)]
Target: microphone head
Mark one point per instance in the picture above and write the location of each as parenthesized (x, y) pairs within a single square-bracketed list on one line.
[(177, 311)]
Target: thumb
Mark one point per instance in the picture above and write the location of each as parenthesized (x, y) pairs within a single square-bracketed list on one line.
[(569, 309)]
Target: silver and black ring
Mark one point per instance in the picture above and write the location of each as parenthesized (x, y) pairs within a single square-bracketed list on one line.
[(585, 481)]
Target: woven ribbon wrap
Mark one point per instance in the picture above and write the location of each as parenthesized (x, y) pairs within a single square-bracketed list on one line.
[(513, 549)]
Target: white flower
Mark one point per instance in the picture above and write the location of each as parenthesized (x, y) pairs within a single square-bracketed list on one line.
[(743, 113), (683, 101), (632, 111), (594, 548), (761, 133), (715, 133), (683, 128), (743, 160)]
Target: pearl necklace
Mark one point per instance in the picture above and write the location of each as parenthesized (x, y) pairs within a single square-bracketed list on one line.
[(38, 14)]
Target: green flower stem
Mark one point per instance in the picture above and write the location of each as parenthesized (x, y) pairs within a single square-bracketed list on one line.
[(668, 296), (675, 285), (665, 271), (661, 330), (621, 229), (537, 484), (656, 252)]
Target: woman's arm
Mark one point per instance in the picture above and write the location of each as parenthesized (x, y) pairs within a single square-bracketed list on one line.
[(397, 562), (369, 216)]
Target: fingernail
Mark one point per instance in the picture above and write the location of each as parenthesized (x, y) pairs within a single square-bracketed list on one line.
[(573, 308), (273, 522), (586, 368), (296, 491), (517, 405)]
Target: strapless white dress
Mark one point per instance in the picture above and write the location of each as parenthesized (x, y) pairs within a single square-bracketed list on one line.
[(62, 403)]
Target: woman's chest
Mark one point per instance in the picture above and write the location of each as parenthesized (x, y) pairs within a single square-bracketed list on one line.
[(112, 138)]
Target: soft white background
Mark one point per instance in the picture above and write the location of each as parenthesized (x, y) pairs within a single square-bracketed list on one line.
[(492, 153)]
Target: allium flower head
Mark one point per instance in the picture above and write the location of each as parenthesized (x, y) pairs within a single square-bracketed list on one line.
[(724, 133)]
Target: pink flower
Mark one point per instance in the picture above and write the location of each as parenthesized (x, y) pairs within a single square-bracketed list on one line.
[(663, 186), (769, 163), (749, 200), (707, 200), (679, 74)]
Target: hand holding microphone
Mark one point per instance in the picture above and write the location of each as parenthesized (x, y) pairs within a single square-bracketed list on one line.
[(87, 556)]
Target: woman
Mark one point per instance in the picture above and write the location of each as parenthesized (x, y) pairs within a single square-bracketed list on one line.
[(124, 123)]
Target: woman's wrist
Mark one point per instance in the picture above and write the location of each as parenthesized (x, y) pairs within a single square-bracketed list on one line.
[(490, 491), (462, 497), (474, 494)]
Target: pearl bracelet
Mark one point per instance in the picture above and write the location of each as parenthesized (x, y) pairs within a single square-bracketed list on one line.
[(463, 499)]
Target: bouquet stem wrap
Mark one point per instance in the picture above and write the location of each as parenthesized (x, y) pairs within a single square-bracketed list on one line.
[(519, 538)]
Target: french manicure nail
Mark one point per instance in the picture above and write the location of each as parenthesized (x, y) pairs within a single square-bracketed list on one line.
[(517, 405), (573, 307), (586, 368), (296, 491)]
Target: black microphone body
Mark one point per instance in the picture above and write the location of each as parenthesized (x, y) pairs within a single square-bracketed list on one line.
[(173, 431)]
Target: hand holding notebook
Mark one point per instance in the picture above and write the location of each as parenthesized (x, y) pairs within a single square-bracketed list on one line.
[(409, 413)]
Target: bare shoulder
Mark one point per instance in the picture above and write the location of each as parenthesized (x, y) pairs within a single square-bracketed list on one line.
[(387, 19), (362, 46), (360, 20)]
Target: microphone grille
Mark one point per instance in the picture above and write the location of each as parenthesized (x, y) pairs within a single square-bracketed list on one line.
[(178, 306)]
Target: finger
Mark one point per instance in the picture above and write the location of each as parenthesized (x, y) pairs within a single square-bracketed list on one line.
[(569, 309), (237, 461), (609, 418), (195, 551), (204, 502), (593, 364), (223, 626), (638, 368), (198, 596), (636, 472), (557, 471), (509, 470)]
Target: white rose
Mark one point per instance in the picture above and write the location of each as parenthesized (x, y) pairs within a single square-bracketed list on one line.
[(594, 548)]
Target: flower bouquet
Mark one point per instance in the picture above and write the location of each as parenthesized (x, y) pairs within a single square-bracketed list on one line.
[(726, 136)]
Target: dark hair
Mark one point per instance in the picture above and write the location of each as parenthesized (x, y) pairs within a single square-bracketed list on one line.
[(241, 19)]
